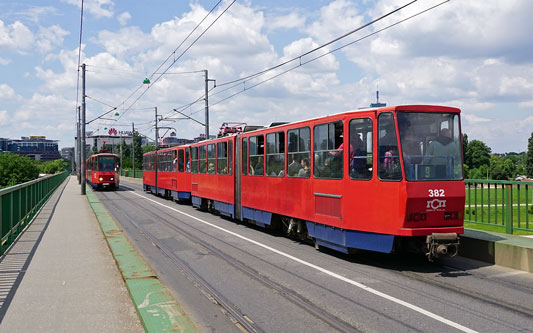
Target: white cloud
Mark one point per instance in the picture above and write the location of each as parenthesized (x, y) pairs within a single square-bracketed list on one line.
[(290, 21), (124, 18), (336, 19), (7, 93), (49, 38), (4, 117), (15, 37), (4, 61), (473, 119), (124, 42), (99, 8)]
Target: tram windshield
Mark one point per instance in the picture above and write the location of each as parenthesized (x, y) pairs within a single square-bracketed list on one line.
[(106, 163), (431, 145)]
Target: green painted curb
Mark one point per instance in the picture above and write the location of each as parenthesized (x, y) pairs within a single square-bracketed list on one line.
[(158, 311)]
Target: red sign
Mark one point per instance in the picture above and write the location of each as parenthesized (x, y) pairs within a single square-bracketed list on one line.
[(112, 131)]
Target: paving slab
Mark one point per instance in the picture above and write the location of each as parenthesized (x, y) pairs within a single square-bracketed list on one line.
[(60, 275)]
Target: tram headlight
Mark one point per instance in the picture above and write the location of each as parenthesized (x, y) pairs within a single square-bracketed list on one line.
[(101, 179), (111, 178)]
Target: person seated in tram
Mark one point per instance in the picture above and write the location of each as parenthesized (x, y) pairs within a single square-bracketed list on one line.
[(259, 167), (211, 168), (441, 149), (358, 157), (295, 166), (304, 172)]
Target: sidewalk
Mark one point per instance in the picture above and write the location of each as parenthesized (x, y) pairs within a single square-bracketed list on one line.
[(61, 276)]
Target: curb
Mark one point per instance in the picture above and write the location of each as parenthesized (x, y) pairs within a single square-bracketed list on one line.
[(500, 249), (156, 307)]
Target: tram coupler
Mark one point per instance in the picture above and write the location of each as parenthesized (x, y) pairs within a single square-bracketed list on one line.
[(442, 245)]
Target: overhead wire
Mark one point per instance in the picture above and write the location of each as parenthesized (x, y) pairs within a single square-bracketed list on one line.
[(320, 56), (182, 53), (79, 59), (318, 47)]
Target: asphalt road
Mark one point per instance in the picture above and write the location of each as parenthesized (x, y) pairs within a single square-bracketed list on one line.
[(232, 277)]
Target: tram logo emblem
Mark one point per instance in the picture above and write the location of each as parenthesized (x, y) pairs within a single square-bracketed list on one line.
[(435, 204)]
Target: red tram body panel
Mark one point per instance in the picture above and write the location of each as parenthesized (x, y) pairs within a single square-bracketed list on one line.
[(213, 178), (149, 164), (103, 170), (378, 179), (172, 167)]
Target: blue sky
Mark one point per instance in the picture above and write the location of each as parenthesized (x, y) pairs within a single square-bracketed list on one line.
[(469, 54)]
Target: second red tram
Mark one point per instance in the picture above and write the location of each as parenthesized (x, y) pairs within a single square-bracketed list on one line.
[(103, 171), (382, 179)]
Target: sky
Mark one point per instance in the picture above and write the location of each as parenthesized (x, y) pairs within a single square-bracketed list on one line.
[(474, 55)]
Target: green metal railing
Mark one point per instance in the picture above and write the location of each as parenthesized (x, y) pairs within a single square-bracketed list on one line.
[(20, 203), (507, 205), (129, 173)]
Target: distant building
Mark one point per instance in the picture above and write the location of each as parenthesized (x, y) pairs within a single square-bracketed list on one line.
[(3, 144), (67, 153), (35, 147)]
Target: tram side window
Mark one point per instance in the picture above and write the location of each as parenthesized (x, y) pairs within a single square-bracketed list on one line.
[(328, 148), (257, 150), (202, 152), (194, 159), (174, 161), (211, 158), (180, 161), (244, 156), (389, 160), (299, 152), (222, 152), (230, 158), (360, 156), (187, 161), (275, 154)]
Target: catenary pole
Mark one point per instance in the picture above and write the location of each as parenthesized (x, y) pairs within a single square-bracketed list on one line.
[(78, 146), (82, 151), (133, 148), (206, 107)]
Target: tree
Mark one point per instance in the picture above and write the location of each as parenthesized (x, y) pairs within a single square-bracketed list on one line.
[(52, 167), (137, 143), (479, 153), (502, 168), (16, 169), (529, 159), (466, 153)]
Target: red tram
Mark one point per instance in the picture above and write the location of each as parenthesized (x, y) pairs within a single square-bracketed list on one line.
[(103, 170), (172, 167), (382, 179)]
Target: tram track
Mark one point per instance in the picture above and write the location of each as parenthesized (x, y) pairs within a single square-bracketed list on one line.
[(242, 320), (401, 268)]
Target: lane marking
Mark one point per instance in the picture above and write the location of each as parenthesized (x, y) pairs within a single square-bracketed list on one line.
[(325, 271)]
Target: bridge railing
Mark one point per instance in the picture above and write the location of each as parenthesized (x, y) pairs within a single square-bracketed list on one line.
[(129, 173), (20, 203), (505, 205)]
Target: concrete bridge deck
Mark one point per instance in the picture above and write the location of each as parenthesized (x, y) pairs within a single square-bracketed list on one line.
[(60, 274)]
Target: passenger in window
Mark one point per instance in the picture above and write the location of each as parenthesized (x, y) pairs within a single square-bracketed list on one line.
[(441, 149), (319, 167), (304, 172), (295, 166), (358, 158), (211, 167), (259, 167)]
